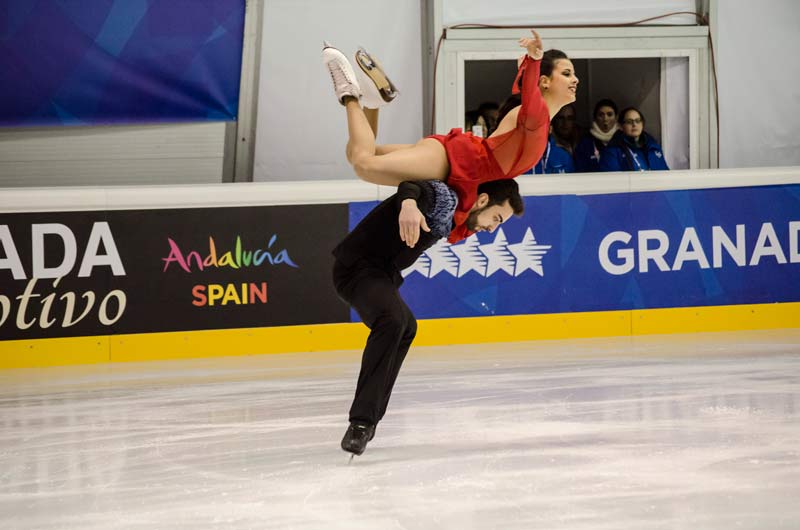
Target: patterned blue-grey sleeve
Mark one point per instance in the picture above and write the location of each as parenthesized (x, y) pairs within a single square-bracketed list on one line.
[(440, 217)]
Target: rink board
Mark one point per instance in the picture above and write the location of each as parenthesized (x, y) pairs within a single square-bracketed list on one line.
[(436, 332), (97, 275)]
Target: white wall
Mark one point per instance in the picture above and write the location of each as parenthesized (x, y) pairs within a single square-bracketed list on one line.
[(674, 112), (301, 130), (759, 75), (178, 153), (544, 12)]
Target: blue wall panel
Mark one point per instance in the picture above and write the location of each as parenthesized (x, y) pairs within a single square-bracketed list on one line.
[(554, 259), (119, 61)]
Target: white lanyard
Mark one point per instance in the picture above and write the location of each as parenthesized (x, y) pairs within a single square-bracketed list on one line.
[(635, 158), (546, 157)]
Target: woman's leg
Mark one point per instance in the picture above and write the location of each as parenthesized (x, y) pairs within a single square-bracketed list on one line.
[(425, 160), (362, 137), (390, 148), (372, 118)]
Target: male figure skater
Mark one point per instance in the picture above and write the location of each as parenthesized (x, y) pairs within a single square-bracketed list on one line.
[(366, 274)]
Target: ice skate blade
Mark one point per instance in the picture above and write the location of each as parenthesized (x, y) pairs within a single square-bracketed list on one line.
[(372, 69)]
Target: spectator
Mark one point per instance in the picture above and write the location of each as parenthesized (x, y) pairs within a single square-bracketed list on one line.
[(558, 155), (632, 149), (591, 146), (483, 121)]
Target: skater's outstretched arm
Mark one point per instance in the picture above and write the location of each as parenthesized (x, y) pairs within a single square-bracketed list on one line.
[(546, 82)]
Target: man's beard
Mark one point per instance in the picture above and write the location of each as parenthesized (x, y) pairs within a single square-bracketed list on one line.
[(472, 219)]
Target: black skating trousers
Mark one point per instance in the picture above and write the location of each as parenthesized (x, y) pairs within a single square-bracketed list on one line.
[(373, 292)]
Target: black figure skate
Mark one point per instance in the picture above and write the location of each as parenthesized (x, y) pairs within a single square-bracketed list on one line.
[(357, 435)]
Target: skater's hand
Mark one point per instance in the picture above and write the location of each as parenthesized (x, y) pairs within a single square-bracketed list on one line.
[(533, 45), (410, 221)]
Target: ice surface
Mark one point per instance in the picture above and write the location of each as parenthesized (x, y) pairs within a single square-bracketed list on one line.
[(670, 432)]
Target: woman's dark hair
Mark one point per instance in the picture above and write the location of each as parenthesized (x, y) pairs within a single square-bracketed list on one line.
[(546, 68), (514, 100), (605, 103), (500, 191), (549, 61), (621, 117), (571, 140), (487, 105)]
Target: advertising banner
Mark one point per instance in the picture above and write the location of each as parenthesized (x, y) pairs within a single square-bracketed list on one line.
[(96, 273), (610, 252), (73, 274), (119, 61)]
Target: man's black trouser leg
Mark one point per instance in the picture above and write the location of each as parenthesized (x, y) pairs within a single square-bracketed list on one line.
[(373, 293)]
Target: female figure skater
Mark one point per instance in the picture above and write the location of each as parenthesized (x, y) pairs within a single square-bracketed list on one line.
[(546, 81)]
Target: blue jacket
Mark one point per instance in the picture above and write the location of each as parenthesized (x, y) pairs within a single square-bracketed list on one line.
[(622, 154), (555, 159), (586, 159)]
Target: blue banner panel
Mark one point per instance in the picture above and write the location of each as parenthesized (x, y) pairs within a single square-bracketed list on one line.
[(119, 61), (616, 252)]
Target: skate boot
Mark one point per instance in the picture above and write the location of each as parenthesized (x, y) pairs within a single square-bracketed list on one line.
[(357, 435), (377, 89), (344, 78)]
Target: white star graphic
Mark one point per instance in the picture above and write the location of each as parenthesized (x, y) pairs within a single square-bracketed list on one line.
[(441, 258), (499, 256), (422, 266), (470, 256), (528, 254)]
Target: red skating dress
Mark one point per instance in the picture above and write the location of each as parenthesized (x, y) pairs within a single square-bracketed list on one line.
[(474, 160)]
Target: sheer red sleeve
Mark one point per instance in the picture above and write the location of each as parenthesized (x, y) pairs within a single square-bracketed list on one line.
[(520, 149), (513, 152)]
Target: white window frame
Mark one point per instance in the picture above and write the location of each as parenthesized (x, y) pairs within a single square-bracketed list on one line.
[(461, 45)]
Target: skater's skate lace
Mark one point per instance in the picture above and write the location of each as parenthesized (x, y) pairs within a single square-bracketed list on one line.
[(339, 76)]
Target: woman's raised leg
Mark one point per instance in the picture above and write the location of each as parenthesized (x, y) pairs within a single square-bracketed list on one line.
[(425, 160), (372, 118), (361, 141)]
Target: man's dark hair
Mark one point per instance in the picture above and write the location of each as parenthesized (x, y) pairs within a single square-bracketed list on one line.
[(500, 191)]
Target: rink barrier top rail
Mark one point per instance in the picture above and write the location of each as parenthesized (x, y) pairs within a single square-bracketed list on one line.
[(88, 198)]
